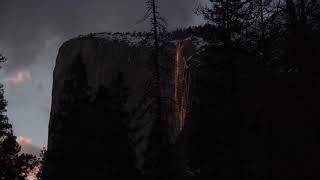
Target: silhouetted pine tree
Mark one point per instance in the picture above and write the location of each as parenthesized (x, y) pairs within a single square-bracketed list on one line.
[(13, 165), (43, 163), (158, 26), (231, 17), (218, 101), (284, 34), (302, 34), (158, 148)]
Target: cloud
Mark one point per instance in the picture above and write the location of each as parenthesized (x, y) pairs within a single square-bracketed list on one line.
[(27, 25), (23, 140), (19, 77), (27, 147)]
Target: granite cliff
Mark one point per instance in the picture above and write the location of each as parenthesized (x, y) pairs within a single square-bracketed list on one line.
[(104, 55)]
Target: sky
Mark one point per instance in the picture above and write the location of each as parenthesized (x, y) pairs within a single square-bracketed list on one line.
[(32, 31)]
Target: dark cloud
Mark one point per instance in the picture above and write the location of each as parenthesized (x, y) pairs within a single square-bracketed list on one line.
[(26, 25)]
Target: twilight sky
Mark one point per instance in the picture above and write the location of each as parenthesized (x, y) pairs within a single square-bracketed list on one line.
[(31, 31)]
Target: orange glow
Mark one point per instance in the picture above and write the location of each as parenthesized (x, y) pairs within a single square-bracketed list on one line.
[(177, 70), (182, 83), (19, 77), (182, 87), (23, 140), (177, 86)]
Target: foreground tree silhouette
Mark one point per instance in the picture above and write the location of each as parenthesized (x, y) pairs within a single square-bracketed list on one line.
[(43, 163), (284, 35), (231, 17), (13, 165), (158, 152)]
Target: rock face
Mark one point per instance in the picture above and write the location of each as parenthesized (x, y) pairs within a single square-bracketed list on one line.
[(104, 56), (103, 59)]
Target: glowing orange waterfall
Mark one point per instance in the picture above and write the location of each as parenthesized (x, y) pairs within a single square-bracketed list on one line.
[(182, 84), (185, 63), (178, 87)]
